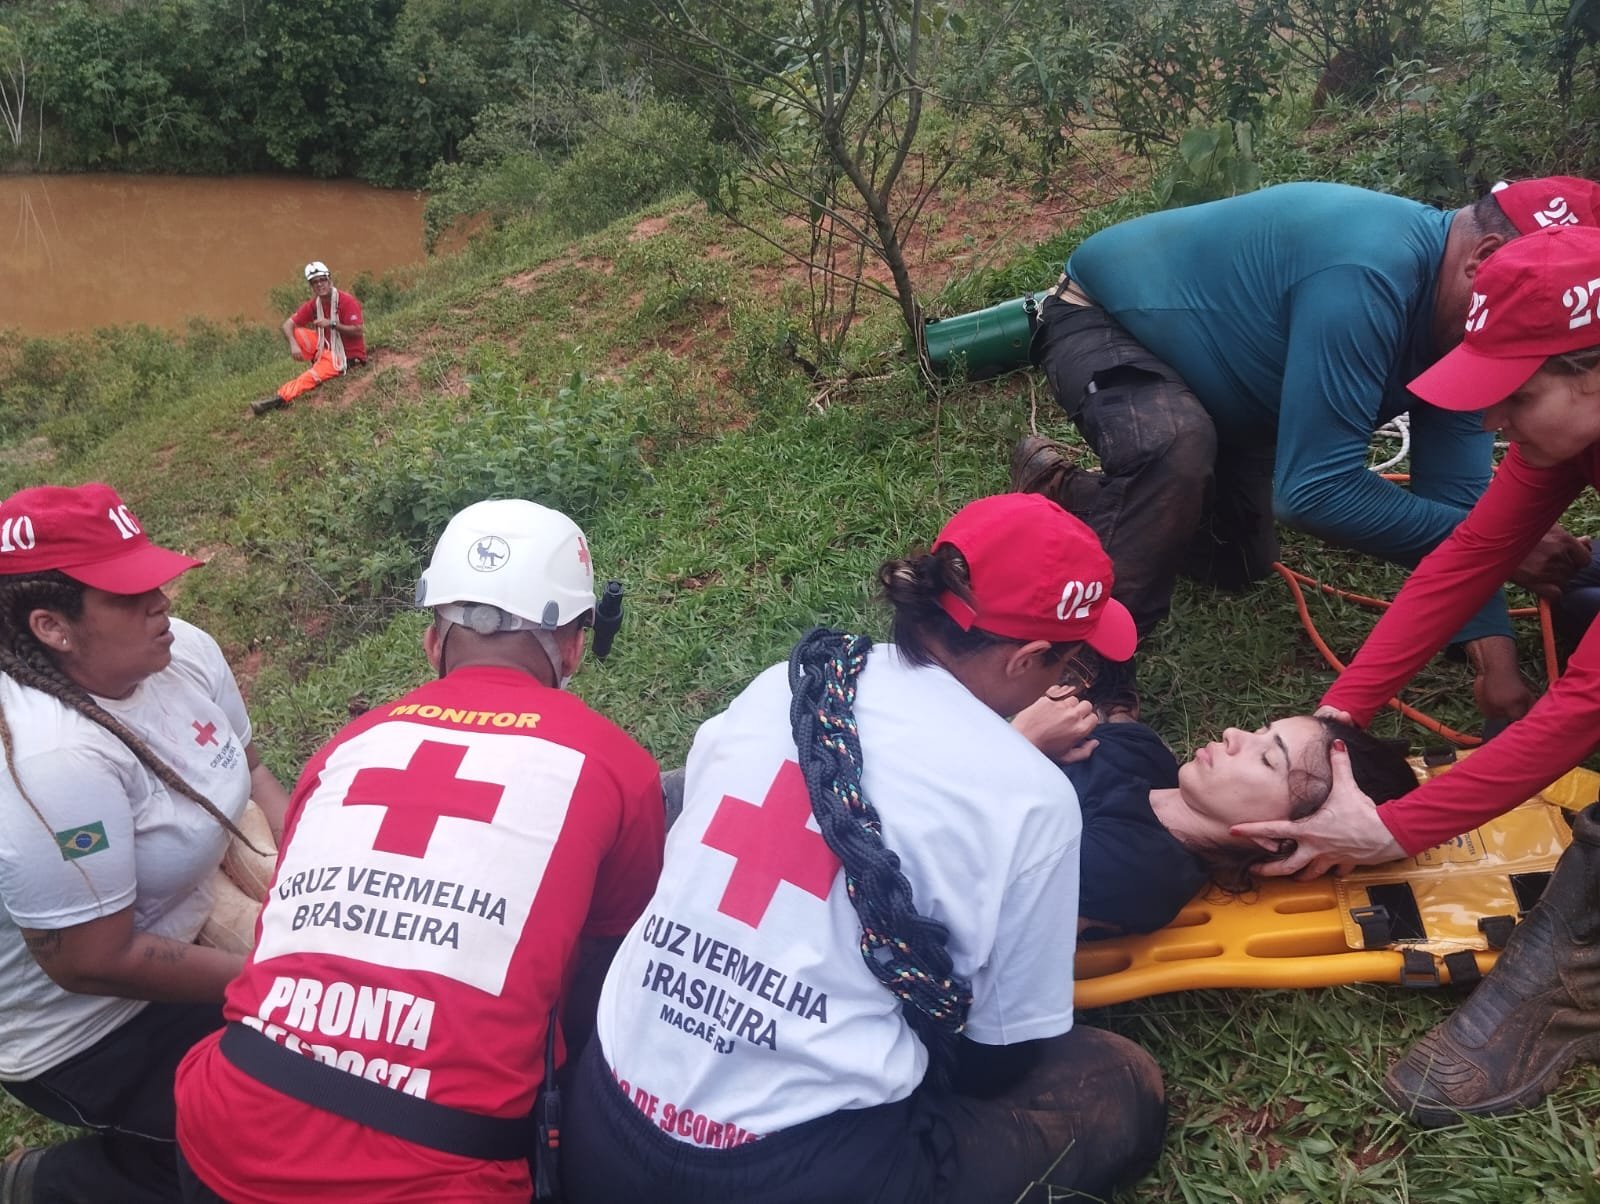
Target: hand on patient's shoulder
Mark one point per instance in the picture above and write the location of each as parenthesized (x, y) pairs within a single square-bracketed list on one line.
[(1060, 725)]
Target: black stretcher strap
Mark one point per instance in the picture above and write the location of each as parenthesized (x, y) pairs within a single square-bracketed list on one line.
[(1497, 929), (1463, 967), (1398, 901), (423, 1122), (1418, 971), (1376, 928)]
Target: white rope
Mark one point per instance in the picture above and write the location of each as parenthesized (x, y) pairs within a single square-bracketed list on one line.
[(329, 337), (1398, 427)]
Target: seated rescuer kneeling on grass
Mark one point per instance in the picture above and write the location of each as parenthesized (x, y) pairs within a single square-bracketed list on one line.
[(797, 1020), (127, 762), (326, 332), (1228, 363), (1156, 832), (1529, 368), (457, 864)]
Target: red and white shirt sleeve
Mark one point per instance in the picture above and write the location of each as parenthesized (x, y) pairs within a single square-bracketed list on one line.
[(1519, 507)]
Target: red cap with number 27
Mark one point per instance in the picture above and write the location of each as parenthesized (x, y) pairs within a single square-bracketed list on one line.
[(89, 534), (1549, 201), (1537, 296)]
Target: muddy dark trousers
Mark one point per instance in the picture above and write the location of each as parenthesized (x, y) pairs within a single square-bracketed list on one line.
[(1533, 1016), (122, 1087), (1089, 1117), (1167, 498)]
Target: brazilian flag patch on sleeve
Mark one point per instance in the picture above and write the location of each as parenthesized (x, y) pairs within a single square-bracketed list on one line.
[(80, 842)]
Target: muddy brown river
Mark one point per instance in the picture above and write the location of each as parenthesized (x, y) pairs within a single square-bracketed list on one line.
[(82, 251)]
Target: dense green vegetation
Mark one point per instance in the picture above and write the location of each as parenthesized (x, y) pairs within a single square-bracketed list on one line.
[(668, 378)]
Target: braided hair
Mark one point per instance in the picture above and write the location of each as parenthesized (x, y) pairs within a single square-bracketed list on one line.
[(29, 663), (905, 950)]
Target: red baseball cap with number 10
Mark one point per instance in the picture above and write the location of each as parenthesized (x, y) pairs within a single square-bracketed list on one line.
[(87, 533), (1037, 573), (1537, 296)]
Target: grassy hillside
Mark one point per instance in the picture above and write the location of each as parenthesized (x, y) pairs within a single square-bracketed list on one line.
[(643, 380)]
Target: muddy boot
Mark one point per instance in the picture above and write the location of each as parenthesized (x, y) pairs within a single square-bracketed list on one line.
[(1535, 1014), (1040, 465), (267, 404)]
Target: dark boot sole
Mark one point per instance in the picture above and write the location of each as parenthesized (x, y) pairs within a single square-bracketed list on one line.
[(1526, 1095)]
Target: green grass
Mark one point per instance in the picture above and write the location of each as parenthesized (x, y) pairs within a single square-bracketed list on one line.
[(742, 502)]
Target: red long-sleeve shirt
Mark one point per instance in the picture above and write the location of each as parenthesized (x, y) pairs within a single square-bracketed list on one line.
[(1450, 584)]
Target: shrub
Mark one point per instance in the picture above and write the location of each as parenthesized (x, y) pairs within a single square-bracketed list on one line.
[(628, 159), (1211, 162)]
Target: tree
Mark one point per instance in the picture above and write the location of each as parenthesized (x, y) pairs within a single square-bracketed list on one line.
[(824, 102), (14, 70)]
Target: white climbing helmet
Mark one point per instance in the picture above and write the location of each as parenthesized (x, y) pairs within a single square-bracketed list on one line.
[(316, 268), (529, 562)]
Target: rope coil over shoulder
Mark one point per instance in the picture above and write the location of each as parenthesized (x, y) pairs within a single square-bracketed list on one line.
[(905, 951)]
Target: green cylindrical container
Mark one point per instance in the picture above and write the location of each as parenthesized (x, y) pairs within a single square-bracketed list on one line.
[(986, 342)]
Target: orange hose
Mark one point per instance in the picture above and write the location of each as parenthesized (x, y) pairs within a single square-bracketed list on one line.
[(1547, 636), (1410, 712)]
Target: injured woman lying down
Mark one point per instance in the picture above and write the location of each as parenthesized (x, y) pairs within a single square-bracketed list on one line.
[(1154, 831)]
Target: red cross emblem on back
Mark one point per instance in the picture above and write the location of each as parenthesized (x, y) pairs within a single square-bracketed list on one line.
[(770, 844), (204, 733), (417, 797)]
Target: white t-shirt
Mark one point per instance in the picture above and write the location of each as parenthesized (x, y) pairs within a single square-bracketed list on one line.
[(108, 835), (740, 1005)]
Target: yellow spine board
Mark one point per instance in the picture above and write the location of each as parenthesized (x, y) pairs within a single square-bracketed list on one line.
[(1299, 934), (1455, 884)]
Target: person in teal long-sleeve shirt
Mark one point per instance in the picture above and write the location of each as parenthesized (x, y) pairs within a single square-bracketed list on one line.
[(1229, 362)]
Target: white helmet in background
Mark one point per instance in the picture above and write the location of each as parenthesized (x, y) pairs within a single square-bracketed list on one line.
[(526, 561), (316, 268)]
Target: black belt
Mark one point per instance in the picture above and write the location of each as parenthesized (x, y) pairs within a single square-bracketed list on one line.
[(437, 1126)]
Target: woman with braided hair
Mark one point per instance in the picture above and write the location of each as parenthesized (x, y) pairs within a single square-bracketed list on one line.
[(127, 762), (854, 982)]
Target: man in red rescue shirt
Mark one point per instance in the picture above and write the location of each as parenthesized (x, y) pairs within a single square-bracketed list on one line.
[(457, 864), (326, 332)]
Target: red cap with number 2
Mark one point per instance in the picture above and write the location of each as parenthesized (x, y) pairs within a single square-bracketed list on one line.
[(1037, 573)]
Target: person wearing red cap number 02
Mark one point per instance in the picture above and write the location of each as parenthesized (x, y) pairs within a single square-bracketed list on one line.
[(1529, 368), (1228, 363), (128, 761), (326, 332), (854, 981)]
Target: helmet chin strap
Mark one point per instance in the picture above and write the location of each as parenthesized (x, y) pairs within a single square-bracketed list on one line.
[(547, 641)]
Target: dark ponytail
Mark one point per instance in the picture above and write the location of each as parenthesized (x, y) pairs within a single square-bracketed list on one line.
[(905, 950), (913, 585)]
